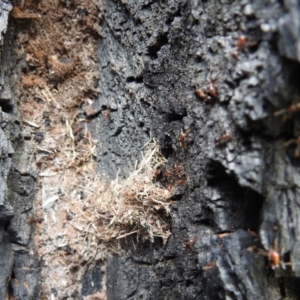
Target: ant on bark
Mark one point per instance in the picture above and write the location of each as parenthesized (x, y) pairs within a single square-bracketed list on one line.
[(224, 139), (295, 141), (209, 93), (189, 244), (291, 109), (275, 259)]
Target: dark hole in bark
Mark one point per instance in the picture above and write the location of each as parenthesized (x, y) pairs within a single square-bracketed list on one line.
[(166, 150), (244, 203), (189, 282), (161, 41), (6, 105), (10, 287), (6, 225), (135, 79), (148, 5), (176, 117)]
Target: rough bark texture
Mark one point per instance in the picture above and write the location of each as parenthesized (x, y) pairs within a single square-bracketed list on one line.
[(241, 161), (240, 176), (19, 273)]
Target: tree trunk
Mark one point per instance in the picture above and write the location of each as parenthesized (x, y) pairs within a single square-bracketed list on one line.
[(214, 73), (215, 83)]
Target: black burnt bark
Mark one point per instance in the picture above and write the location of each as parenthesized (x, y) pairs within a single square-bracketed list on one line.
[(216, 84), (213, 82), (19, 265)]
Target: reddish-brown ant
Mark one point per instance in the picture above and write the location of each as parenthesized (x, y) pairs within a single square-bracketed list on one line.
[(189, 244), (212, 90), (34, 220), (175, 175), (168, 174), (173, 179), (201, 94), (224, 139), (178, 168), (181, 181), (224, 234), (295, 141), (211, 265), (291, 109), (209, 93), (114, 69), (241, 42), (106, 113), (157, 173), (183, 138), (274, 258), (272, 255)]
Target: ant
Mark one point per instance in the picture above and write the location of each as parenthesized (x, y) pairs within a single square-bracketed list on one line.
[(169, 174), (224, 139), (201, 94), (209, 93), (114, 69), (294, 108), (295, 141), (183, 139), (178, 169), (181, 181), (106, 113), (189, 244), (34, 220), (211, 265), (241, 43), (212, 89), (291, 109), (274, 258), (157, 173), (176, 174)]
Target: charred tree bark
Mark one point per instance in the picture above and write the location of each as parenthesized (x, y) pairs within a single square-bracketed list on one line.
[(19, 266), (215, 83)]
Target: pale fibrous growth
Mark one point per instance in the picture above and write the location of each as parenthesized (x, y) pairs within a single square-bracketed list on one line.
[(134, 207)]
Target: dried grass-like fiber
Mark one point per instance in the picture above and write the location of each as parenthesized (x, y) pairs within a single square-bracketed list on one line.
[(136, 205), (58, 47)]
